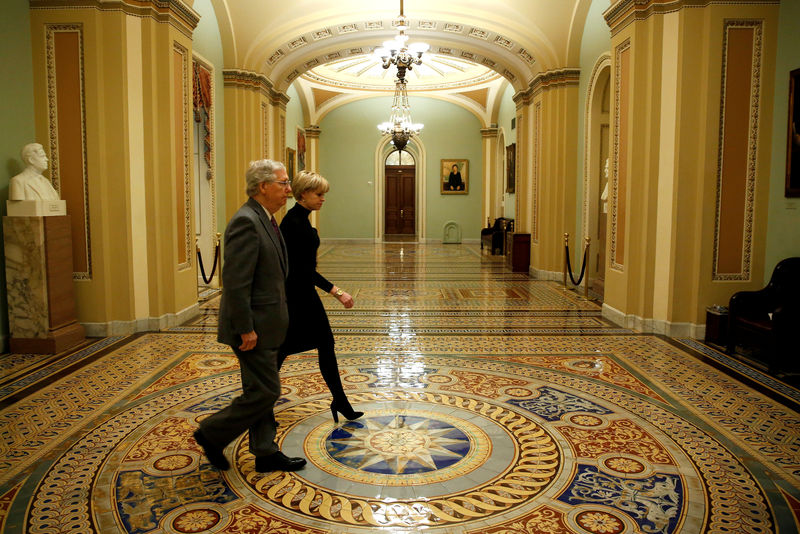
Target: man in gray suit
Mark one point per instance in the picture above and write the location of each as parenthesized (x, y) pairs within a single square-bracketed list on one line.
[(253, 319)]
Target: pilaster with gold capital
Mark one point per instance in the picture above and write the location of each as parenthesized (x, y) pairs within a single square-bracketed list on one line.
[(255, 127), (492, 173), (689, 158), (117, 129), (546, 152), (312, 147)]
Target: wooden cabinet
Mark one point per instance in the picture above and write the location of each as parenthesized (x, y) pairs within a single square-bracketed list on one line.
[(518, 252)]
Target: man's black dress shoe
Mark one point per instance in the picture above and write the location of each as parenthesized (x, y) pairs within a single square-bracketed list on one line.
[(278, 462), (214, 455)]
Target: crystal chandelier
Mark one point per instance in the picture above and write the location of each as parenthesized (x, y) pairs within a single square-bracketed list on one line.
[(404, 57), (399, 125)]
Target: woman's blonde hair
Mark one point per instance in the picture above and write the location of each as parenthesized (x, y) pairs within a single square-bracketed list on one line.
[(305, 181)]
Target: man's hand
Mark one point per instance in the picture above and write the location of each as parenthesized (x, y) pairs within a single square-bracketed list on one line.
[(248, 341)]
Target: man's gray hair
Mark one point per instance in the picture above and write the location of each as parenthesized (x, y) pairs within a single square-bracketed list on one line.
[(262, 170)]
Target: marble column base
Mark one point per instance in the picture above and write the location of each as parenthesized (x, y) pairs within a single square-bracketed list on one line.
[(57, 340), (39, 287)]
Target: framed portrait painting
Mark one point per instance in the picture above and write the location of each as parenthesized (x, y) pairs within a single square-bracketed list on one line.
[(301, 150), (455, 176), (290, 166), (793, 143), (511, 168)]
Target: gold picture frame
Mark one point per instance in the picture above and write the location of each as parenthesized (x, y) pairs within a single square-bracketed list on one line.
[(301, 150), (290, 162), (454, 177), (511, 168), (793, 143)]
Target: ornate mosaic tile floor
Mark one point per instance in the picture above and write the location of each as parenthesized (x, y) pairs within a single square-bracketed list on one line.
[(493, 404)]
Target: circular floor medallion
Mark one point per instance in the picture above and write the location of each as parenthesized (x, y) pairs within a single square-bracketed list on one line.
[(475, 454), (600, 522), (403, 446), (195, 521), (172, 462)]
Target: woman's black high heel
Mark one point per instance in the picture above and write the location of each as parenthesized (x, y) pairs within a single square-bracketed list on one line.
[(346, 411)]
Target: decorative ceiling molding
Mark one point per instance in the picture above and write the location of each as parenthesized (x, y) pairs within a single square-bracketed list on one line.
[(479, 34), (548, 80), (624, 12), (176, 14), (321, 34), (347, 28), (484, 78), (521, 61), (363, 68), (255, 82)]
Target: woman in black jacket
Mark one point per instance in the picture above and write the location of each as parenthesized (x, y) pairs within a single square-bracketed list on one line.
[(308, 323)]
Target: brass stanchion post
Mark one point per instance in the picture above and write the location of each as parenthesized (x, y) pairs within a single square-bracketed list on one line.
[(219, 276), (197, 258), (566, 244), (586, 274)]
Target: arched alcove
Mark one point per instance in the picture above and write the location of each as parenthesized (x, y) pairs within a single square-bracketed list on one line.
[(595, 176)]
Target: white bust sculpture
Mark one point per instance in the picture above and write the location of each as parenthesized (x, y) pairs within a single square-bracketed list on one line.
[(30, 184), (604, 194)]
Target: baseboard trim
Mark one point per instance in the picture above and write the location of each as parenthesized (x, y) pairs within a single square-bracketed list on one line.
[(540, 274), (420, 240), (654, 326), (147, 324)]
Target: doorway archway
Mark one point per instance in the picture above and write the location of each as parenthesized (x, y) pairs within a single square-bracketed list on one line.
[(595, 178), (400, 198), (417, 152), (204, 163)]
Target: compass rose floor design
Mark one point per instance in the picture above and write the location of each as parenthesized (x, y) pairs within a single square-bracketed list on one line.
[(493, 404)]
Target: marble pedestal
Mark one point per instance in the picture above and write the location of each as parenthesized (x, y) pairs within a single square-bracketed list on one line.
[(41, 300)]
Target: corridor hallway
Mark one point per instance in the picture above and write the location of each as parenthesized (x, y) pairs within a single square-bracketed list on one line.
[(494, 404)]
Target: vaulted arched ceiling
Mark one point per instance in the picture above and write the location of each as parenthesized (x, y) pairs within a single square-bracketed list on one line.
[(518, 39)]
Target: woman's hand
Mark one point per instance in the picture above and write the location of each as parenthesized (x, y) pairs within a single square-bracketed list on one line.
[(346, 300), (344, 297)]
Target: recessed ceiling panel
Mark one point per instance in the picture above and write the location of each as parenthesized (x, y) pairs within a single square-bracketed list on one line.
[(437, 71)]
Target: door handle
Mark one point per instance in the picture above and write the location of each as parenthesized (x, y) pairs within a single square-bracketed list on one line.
[(401, 214)]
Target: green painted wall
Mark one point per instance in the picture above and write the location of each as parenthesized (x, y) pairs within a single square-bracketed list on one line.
[(206, 42), (451, 132), (294, 120), (508, 110), (783, 229), (294, 117), (348, 143), (16, 114)]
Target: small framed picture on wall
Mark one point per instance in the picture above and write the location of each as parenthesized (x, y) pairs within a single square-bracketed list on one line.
[(793, 144), (301, 150), (511, 168), (455, 176), (290, 166)]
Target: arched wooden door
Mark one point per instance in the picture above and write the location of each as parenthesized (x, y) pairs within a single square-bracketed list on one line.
[(401, 213)]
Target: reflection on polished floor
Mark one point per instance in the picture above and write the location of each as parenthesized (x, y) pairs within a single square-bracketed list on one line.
[(494, 404)]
